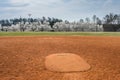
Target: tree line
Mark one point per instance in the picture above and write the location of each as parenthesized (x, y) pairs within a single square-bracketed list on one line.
[(9, 22), (55, 24)]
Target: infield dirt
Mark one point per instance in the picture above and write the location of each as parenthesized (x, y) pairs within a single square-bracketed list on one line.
[(22, 58)]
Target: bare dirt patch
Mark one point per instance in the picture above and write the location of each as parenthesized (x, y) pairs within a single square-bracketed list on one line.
[(66, 62), (22, 58)]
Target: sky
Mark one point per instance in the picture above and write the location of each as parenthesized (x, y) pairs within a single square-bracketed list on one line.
[(72, 10)]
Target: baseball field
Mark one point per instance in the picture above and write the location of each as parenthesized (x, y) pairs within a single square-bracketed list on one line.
[(22, 54)]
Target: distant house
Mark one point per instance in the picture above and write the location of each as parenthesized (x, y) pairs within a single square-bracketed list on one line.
[(111, 27)]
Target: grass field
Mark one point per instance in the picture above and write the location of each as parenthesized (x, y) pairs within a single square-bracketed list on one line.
[(60, 33)]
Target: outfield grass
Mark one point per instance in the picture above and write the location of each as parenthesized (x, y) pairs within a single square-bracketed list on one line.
[(60, 33)]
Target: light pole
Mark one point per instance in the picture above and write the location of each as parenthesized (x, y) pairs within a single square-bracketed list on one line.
[(29, 17)]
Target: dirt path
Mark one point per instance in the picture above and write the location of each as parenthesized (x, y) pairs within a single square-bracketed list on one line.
[(22, 58)]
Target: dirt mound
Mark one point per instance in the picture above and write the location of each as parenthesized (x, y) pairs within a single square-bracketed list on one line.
[(66, 62)]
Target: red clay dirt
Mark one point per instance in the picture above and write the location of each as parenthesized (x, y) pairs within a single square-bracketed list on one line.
[(66, 62), (22, 58)]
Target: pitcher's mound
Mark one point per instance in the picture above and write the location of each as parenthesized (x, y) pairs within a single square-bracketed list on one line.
[(66, 62)]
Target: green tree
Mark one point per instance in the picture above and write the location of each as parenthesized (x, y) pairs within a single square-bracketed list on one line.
[(110, 18), (87, 19), (94, 19), (81, 21)]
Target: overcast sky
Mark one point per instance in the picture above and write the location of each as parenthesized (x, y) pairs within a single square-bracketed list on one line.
[(63, 9)]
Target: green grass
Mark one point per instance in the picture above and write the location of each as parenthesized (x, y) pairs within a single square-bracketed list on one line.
[(60, 33)]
